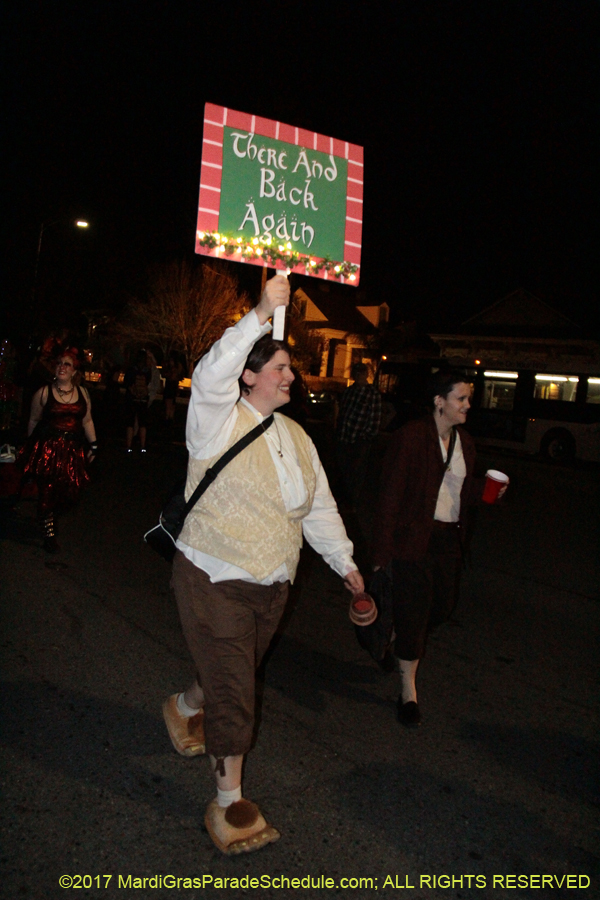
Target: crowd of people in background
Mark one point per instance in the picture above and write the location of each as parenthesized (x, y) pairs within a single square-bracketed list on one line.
[(47, 431), (122, 386)]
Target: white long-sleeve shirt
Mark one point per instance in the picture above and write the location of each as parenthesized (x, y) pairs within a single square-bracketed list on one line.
[(212, 415)]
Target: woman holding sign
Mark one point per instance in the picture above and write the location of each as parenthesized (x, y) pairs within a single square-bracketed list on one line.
[(428, 485), (238, 552)]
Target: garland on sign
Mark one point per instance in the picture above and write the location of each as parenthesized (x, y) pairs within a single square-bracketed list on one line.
[(273, 252)]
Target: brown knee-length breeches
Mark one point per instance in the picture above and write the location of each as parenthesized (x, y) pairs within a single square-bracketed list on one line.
[(227, 626)]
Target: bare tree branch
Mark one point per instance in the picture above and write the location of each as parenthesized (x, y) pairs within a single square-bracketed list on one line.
[(185, 308)]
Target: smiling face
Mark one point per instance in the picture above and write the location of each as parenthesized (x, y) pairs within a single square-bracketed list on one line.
[(453, 409), (65, 369), (270, 388)]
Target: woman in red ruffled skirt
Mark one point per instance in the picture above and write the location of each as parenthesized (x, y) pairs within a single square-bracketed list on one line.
[(62, 441)]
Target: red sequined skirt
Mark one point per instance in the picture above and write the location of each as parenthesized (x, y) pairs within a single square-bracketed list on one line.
[(58, 465)]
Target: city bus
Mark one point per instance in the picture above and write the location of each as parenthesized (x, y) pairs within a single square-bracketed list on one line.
[(553, 413), (556, 414)]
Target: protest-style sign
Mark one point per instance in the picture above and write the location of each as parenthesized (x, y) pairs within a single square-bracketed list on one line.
[(276, 195)]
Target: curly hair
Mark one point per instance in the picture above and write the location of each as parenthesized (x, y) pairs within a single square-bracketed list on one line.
[(73, 355)]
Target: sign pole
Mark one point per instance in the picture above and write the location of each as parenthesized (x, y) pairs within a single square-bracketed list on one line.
[(279, 315), (279, 323)]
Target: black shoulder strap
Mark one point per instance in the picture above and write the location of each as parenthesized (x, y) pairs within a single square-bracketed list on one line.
[(211, 474)]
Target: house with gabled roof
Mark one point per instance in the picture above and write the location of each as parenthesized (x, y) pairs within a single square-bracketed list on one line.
[(348, 331), (519, 331)]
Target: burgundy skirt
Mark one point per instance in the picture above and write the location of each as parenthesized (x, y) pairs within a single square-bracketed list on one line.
[(58, 465)]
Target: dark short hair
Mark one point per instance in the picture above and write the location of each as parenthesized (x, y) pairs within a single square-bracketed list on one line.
[(358, 368), (264, 350), (442, 383)]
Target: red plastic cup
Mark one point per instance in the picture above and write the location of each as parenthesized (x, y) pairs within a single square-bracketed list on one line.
[(363, 610), (494, 481)]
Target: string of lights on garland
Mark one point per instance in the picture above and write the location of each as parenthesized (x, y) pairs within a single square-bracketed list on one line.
[(272, 252)]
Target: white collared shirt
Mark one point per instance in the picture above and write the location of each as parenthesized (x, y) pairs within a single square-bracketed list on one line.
[(212, 415)]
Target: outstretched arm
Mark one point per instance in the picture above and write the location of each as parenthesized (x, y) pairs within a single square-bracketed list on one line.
[(215, 389)]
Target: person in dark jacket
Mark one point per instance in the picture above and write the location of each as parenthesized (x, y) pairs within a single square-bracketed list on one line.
[(357, 426), (428, 486), (137, 383), (173, 372)]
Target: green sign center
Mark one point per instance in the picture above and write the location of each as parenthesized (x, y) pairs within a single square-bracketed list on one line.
[(272, 189)]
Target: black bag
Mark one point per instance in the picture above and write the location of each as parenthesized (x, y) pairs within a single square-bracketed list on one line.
[(377, 638), (163, 536)]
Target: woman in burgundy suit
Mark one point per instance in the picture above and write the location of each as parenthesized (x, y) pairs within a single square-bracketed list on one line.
[(428, 486)]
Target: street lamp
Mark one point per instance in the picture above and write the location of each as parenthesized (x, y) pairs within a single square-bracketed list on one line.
[(80, 223)]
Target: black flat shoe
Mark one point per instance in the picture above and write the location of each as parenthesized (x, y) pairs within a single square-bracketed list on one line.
[(409, 713)]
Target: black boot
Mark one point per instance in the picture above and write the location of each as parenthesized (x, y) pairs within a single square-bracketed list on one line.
[(51, 545)]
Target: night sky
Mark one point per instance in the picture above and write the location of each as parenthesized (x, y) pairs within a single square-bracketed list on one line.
[(479, 122)]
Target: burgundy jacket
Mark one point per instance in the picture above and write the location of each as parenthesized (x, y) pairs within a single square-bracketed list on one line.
[(413, 472)]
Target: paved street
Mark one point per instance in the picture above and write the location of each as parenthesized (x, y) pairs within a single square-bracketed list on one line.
[(499, 781)]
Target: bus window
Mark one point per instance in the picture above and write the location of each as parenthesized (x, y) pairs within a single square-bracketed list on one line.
[(593, 391), (556, 387), (499, 390)]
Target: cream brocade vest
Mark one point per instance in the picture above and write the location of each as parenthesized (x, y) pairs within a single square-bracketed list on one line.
[(241, 518)]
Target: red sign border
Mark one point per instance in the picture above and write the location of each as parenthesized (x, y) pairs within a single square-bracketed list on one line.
[(215, 120)]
